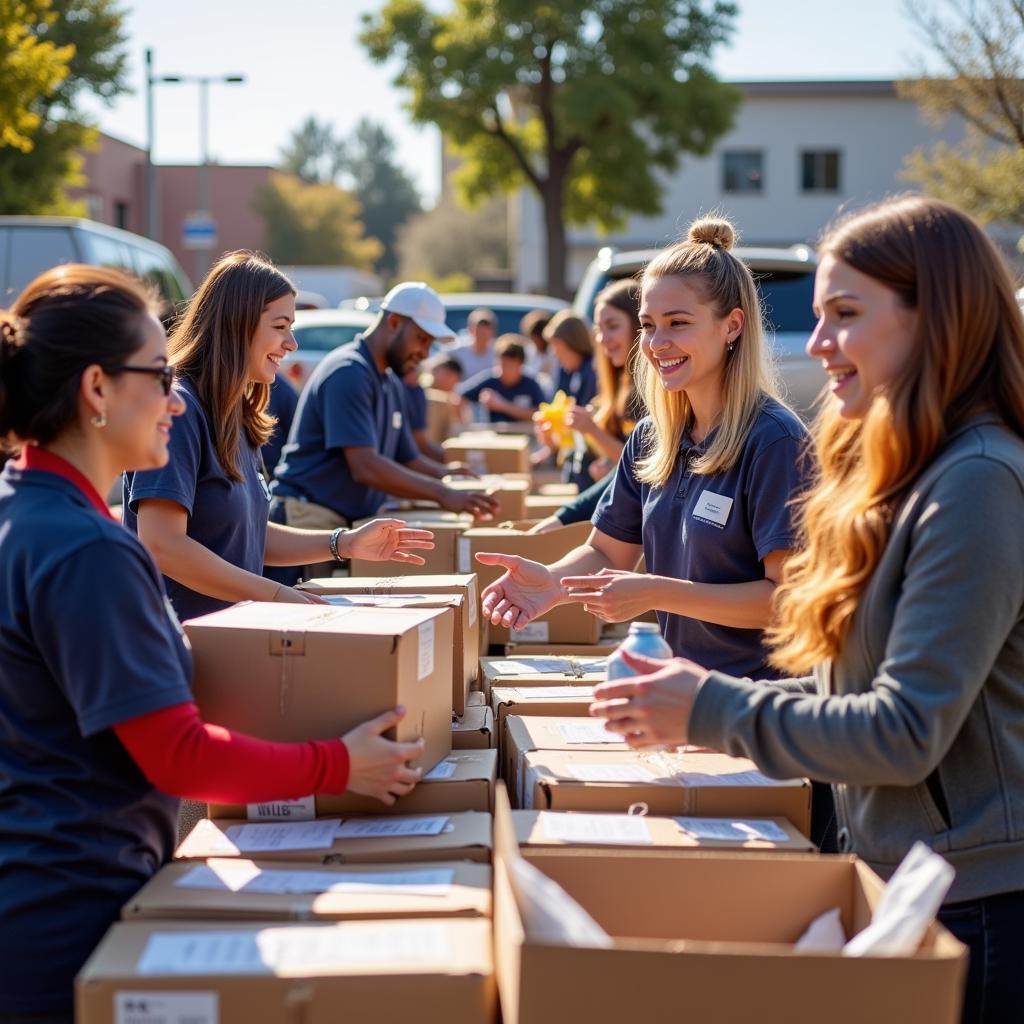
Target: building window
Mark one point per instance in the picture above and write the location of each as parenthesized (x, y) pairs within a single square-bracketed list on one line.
[(120, 214), (819, 170), (743, 170)]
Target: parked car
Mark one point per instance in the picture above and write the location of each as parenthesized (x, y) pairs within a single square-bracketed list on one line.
[(508, 307), (319, 331), (30, 245), (785, 278)]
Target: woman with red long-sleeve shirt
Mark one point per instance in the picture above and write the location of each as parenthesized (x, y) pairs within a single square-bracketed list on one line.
[(97, 723)]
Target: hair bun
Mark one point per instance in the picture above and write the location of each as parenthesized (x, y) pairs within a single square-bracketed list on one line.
[(9, 340), (713, 231)]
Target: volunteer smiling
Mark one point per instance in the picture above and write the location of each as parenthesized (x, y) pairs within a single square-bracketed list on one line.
[(204, 516), (97, 723), (703, 484)]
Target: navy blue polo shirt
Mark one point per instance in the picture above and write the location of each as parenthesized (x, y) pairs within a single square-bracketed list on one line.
[(527, 393), (581, 384), (713, 529), (282, 403), (346, 403), (227, 516), (415, 406), (86, 642)]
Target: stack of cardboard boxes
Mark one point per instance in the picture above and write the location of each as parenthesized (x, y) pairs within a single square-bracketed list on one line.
[(695, 865)]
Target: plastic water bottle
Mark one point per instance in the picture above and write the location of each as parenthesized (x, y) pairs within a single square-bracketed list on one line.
[(644, 638)]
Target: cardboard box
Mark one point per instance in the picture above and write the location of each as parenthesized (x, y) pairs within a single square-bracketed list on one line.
[(437, 560), (601, 649), (486, 452), (533, 831), (294, 672), (541, 670), (710, 935), (466, 646), (316, 892), (444, 583), (469, 839), (463, 781), (474, 730), (564, 624), (554, 702), (476, 699), (703, 784), (431, 971), (541, 506)]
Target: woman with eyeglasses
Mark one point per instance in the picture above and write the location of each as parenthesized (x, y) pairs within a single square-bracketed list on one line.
[(204, 515), (98, 732)]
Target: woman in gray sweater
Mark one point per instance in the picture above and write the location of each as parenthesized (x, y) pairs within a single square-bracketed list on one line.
[(907, 594)]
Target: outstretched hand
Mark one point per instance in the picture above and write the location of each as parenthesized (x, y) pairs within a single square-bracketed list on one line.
[(387, 540), (526, 591)]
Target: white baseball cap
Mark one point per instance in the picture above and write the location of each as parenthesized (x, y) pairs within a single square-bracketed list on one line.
[(421, 304)]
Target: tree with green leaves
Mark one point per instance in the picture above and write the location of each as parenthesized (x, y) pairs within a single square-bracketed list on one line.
[(92, 31), (384, 190), (979, 52), (584, 101), (313, 153), (315, 225)]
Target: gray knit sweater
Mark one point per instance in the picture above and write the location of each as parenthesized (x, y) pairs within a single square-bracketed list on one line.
[(919, 722)]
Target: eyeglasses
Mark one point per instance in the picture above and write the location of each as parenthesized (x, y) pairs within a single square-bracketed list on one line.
[(165, 374)]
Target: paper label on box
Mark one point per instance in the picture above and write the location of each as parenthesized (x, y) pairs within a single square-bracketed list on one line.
[(398, 826), (532, 633), (303, 809), (145, 1007), (228, 952), (425, 665), (465, 560), (556, 692), (472, 598), (292, 835), (751, 778), (248, 878), (595, 828), (611, 773), (733, 830), (442, 770), (586, 731)]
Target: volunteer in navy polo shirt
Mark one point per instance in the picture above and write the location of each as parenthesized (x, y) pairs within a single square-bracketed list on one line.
[(97, 722), (705, 485), (351, 447), (511, 395)]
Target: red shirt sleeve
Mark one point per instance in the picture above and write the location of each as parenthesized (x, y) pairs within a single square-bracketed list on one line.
[(182, 755)]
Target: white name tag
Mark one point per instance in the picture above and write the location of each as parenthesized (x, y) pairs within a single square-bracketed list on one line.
[(714, 508), (396, 420)]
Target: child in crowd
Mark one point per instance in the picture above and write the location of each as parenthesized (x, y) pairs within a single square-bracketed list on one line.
[(510, 395)]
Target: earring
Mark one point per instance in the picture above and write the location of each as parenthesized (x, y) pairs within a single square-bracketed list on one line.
[(730, 346), (99, 421)]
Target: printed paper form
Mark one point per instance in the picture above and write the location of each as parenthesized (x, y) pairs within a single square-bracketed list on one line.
[(611, 773), (442, 770), (290, 835), (555, 692), (144, 1007), (303, 809), (733, 830), (364, 828), (750, 778), (235, 877), (595, 828), (260, 951), (541, 666), (586, 731)]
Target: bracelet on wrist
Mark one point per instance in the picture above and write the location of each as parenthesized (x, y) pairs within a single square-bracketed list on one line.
[(335, 535)]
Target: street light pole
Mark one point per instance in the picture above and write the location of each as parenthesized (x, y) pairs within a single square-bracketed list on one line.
[(151, 228)]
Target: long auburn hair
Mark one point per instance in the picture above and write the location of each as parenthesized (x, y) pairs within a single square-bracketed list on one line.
[(967, 355), (749, 375), (210, 346), (616, 400)]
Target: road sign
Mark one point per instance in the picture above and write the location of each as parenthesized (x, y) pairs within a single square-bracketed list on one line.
[(199, 231)]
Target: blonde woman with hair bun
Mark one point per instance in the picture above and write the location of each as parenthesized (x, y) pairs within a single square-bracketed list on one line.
[(704, 483), (906, 596)]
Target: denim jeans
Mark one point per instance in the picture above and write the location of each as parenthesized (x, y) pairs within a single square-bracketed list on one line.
[(993, 931)]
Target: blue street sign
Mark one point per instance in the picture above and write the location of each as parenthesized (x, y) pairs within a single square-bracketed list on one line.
[(199, 231)]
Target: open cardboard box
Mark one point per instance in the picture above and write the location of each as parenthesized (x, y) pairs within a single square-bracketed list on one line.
[(297, 672), (341, 893), (468, 839), (464, 781), (702, 783), (709, 937), (363, 972), (564, 624), (362, 591)]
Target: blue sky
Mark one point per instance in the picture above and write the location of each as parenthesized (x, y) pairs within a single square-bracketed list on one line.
[(303, 58)]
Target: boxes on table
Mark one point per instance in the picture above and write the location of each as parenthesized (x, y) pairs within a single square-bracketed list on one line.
[(293, 672), (711, 932), (551, 701), (509, 491), (434, 971), (486, 452), (222, 889), (542, 670)]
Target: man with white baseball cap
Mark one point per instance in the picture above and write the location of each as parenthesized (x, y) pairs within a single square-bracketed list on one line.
[(350, 446)]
